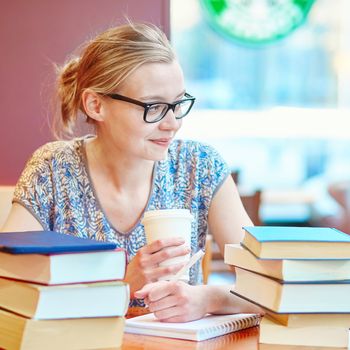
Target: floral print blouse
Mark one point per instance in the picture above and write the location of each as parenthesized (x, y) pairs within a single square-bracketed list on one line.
[(56, 188)]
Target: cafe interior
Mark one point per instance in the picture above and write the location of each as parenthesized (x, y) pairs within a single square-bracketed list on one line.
[(272, 87)]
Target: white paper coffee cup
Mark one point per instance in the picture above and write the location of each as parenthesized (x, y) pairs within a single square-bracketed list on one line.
[(167, 223)]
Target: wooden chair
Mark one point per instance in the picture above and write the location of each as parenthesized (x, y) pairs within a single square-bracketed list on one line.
[(235, 176), (251, 203), (207, 258)]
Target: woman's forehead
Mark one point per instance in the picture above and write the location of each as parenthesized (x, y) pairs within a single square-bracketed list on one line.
[(155, 79)]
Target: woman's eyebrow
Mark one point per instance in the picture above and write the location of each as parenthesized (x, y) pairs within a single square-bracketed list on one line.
[(160, 98)]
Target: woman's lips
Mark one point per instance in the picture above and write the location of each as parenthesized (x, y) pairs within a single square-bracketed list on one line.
[(162, 142)]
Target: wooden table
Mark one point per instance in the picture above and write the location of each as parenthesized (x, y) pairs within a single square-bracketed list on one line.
[(243, 340)]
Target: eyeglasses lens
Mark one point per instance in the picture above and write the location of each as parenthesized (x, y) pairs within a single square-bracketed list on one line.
[(157, 111)]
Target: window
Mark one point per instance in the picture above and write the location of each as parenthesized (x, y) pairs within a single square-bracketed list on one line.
[(278, 112)]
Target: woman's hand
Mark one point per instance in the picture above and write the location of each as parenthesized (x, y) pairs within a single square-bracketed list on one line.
[(174, 301), (144, 267)]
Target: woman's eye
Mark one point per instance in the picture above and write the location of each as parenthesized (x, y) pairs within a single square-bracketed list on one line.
[(155, 108)]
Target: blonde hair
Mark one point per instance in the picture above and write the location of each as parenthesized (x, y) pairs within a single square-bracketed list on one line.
[(104, 63)]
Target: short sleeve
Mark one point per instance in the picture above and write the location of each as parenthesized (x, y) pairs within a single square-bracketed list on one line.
[(194, 172), (34, 187), (213, 169)]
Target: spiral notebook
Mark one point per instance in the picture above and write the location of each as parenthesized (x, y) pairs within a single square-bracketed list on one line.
[(208, 327)]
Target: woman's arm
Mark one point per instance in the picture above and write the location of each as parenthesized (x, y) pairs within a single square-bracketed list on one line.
[(180, 302), (227, 215), (226, 218), (20, 219)]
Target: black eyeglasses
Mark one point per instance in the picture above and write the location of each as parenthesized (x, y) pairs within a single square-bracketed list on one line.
[(156, 111)]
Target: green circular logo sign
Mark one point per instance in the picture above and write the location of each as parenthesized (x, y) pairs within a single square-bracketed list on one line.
[(256, 21)]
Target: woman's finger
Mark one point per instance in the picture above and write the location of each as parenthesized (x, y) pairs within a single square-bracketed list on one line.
[(157, 272), (169, 252), (162, 243), (163, 290), (144, 291), (161, 304), (171, 314)]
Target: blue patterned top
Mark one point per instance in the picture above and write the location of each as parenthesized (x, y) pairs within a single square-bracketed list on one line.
[(56, 188)]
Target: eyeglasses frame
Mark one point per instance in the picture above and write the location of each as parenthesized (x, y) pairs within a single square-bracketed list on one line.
[(147, 106)]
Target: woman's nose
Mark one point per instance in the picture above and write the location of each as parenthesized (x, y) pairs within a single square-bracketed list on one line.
[(169, 121)]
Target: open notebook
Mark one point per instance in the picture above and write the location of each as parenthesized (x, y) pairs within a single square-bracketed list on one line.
[(208, 327)]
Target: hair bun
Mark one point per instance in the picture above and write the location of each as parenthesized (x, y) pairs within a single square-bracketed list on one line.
[(67, 90)]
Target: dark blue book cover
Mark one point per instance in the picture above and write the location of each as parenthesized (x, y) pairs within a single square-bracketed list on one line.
[(48, 242)]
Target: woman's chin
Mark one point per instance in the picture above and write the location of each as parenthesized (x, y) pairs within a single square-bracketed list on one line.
[(158, 156)]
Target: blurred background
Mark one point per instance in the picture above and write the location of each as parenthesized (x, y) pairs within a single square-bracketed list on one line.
[(272, 81), (271, 78)]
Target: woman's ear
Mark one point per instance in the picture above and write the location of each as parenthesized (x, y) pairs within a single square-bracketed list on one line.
[(92, 103)]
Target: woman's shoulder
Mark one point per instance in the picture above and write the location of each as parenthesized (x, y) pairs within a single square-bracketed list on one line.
[(63, 150), (59, 159)]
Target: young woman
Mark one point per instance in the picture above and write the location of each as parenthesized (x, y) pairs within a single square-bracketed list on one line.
[(129, 85)]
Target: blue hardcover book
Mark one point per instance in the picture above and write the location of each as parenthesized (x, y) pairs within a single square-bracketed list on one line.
[(286, 242), (48, 242)]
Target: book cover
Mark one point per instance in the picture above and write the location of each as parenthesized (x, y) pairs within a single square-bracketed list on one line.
[(46, 242), (286, 242), (66, 267), (315, 297), (297, 270), (100, 299), (18, 332), (208, 327), (298, 233)]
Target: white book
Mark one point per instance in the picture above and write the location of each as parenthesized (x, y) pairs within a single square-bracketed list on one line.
[(288, 270), (74, 267), (287, 242), (208, 327), (303, 297), (21, 333), (100, 299)]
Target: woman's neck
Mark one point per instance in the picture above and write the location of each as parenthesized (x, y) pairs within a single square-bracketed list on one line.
[(122, 170), (122, 184)]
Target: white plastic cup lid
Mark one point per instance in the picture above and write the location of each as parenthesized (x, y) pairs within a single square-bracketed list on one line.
[(166, 214)]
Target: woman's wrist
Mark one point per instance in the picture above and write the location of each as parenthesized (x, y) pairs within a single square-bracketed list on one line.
[(219, 300), (213, 298)]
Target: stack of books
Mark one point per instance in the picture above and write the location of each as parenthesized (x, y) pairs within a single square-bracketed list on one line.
[(301, 277), (61, 292)]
